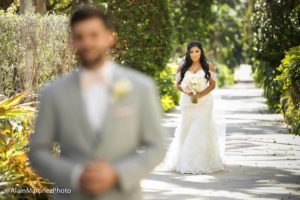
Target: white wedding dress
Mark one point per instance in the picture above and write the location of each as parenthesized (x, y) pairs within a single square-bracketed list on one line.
[(199, 139)]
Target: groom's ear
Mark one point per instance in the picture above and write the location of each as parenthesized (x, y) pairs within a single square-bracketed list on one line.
[(112, 38)]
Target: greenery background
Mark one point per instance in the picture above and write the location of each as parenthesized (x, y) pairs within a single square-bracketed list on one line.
[(152, 37)]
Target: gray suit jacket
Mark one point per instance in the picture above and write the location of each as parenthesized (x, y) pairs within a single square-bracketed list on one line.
[(132, 139)]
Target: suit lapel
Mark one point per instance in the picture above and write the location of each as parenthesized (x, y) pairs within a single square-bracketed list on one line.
[(78, 107)]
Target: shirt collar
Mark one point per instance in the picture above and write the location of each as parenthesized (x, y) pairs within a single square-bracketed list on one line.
[(106, 70)]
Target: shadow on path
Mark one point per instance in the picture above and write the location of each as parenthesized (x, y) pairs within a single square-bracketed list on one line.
[(237, 182)]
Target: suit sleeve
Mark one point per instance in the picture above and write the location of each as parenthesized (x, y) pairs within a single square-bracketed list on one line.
[(40, 155), (137, 166)]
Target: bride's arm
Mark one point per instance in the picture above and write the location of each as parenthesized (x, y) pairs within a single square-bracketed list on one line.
[(212, 82)]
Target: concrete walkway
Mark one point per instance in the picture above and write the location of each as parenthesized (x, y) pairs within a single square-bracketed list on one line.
[(262, 161)]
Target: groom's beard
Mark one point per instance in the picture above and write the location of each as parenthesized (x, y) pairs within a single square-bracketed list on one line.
[(92, 63)]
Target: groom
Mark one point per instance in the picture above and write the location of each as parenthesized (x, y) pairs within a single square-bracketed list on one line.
[(105, 117)]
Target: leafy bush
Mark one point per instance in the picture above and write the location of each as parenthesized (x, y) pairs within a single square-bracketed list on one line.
[(16, 118), (225, 75), (218, 25), (290, 77), (166, 83), (144, 33), (224, 41), (167, 102), (34, 49), (276, 28), (186, 28)]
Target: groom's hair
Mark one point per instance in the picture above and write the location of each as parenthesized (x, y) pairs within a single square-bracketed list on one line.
[(88, 12)]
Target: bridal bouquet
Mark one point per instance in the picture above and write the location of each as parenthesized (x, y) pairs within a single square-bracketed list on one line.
[(192, 84)]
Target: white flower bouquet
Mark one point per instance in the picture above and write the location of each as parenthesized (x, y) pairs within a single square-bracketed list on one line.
[(192, 84)]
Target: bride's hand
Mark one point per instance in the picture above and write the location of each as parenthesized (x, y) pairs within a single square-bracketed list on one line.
[(190, 94), (194, 95), (198, 95)]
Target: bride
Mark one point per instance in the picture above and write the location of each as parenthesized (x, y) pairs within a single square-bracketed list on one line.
[(197, 146)]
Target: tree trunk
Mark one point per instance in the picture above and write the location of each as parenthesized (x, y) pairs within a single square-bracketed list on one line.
[(38, 6), (4, 4), (26, 71), (26, 6)]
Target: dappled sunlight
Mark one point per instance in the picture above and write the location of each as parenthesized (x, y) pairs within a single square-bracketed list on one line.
[(237, 182)]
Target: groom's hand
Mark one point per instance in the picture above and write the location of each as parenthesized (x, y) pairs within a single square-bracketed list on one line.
[(97, 177)]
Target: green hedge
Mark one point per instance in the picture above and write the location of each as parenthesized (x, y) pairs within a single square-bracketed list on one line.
[(290, 77), (34, 49), (225, 75), (168, 91), (276, 29), (144, 33)]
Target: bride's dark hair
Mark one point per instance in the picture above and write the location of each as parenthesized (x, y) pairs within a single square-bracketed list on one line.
[(188, 61)]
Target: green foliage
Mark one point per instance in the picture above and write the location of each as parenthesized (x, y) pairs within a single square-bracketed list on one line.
[(247, 34), (59, 6), (144, 33), (290, 78), (33, 50), (218, 25), (276, 29), (225, 40), (225, 75), (167, 102), (166, 84), (16, 122), (264, 75), (191, 19)]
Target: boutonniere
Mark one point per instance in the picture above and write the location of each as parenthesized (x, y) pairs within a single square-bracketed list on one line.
[(121, 88)]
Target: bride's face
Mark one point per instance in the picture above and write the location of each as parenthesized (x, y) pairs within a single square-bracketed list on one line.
[(195, 54)]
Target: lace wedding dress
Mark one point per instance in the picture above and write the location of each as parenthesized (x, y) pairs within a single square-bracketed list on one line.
[(199, 139)]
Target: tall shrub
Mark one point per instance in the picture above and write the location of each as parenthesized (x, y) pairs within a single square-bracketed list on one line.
[(46, 37), (166, 83), (290, 77), (144, 33), (191, 19), (225, 40), (276, 28)]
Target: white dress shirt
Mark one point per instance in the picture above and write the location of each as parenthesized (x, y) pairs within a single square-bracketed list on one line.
[(94, 90), (95, 93)]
